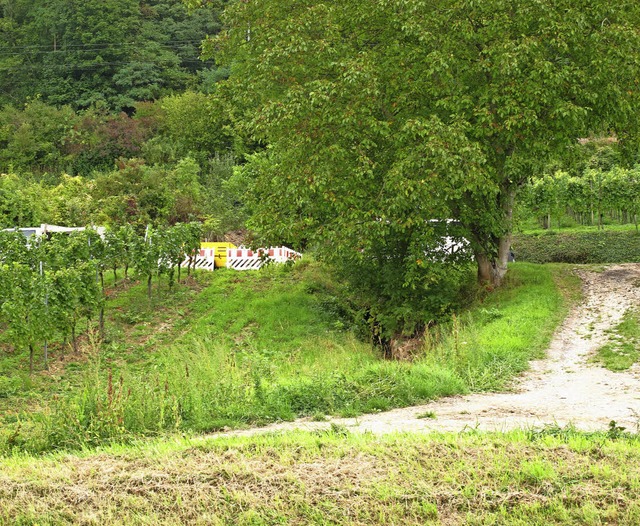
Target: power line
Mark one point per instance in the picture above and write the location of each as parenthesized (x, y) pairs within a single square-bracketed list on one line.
[(64, 51), (82, 67), (107, 44)]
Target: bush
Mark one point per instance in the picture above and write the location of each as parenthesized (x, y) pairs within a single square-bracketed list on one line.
[(581, 247)]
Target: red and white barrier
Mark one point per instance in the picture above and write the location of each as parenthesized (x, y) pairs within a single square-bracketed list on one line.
[(243, 258), (247, 259), (204, 259)]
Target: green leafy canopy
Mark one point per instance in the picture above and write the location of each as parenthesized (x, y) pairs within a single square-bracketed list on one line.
[(378, 109), (379, 115)]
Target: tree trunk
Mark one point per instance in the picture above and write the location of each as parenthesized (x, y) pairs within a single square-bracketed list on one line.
[(149, 286), (46, 355), (493, 269), (546, 222), (30, 359), (492, 264), (485, 269), (101, 322)]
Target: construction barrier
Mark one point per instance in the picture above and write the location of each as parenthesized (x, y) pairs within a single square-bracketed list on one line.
[(247, 259), (219, 252), (210, 257)]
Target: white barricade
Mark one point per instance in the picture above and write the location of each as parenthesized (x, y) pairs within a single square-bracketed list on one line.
[(243, 258), (203, 259), (247, 259)]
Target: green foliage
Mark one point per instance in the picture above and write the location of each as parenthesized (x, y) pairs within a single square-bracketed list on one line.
[(98, 138), (21, 203), (49, 284), (33, 137), (140, 194), (149, 168), (196, 123), (101, 53), (589, 198), (578, 247), (259, 347), (70, 203), (377, 117), (135, 194), (23, 307), (394, 303)]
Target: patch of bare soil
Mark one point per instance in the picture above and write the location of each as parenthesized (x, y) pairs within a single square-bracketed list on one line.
[(563, 389)]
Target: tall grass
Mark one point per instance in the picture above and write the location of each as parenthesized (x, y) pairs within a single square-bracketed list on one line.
[(490, 343), (257, 347)]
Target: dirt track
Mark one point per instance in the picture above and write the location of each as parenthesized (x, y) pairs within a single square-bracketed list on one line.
[(562, 389)]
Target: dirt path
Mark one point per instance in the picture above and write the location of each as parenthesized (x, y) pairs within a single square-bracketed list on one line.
[(562, 389)]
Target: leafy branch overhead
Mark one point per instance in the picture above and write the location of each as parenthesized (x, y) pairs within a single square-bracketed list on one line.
[(378, 116)]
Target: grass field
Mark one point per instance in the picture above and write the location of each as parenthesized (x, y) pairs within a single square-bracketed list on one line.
[(232, 349), (550, 477)]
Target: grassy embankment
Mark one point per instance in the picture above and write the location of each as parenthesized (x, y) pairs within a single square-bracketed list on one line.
[(553, 477), (235, 349), (623, 348)]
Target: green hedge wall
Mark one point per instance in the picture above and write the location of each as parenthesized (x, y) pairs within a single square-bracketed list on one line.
[(583, 247)]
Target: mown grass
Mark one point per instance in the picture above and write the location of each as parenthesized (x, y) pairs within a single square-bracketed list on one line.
[(551, 477), (236, 349), (623, 347)]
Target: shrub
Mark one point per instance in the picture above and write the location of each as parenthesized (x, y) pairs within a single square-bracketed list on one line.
[(582, 247)]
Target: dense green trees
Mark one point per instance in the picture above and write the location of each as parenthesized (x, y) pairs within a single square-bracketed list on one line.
[(366, 125), (136, 194), (100, 53), (586, 198), (101, 120), (170, 162), (381, 115)]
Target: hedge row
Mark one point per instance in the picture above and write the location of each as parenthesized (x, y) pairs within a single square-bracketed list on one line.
[(583, 247)]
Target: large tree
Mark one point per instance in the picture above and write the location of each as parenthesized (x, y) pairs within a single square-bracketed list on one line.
[(379, 115)]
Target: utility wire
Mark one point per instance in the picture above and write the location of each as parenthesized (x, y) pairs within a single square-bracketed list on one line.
[(97, 65), (63, 51), (107, 44)]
